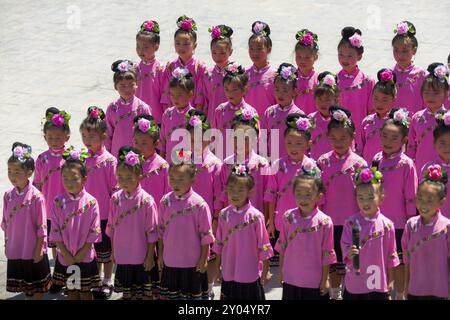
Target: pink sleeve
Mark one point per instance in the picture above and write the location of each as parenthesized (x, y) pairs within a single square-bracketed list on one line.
[(346, 243), (412, 143), (95, 234), (204, 225), (217, 247), (37, 179), (109, 128), (165, 78), (218, 187), (151, 222), (200, 90), (55, 233), (282, 240), (163, 134), (390, 248), (5, 209), (41, 217), (328, 254), (405, 243), (272, 189), (113, 185), (264, 247), (110, 231), (411, 182)]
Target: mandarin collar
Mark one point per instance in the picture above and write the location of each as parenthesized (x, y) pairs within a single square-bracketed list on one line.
[(432, 221), (184, 110), (351, 75), (239, 106), (310, 74), (184, 196), (98, 153), (392, 156), (133, 194), (373, 218), (262, 70), (126, 102), (24, 190), (77, 196), (57, 152), (241, 210), (148, 63), (407, 70), (345, 156), (310, 215)]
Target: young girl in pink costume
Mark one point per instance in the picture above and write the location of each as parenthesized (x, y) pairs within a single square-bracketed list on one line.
[(382, 96), (441, 137), (400, 191), (434, 92), (274, 119), (149, 69), (409, 76), (76, 227), (426, 241), (235, 86), (242, 243), (221, 50), (306, 240), (326, 95), (185, 39), (120, 113), (181, 91), (185, 233), (101, 184), (260, 92), (25, 225), (377, 250), (355, 87), (306, 54), (338, 169), (133, 228)]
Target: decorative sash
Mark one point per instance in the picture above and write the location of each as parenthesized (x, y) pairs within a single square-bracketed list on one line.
[(374, 235), (427, 238), (128, 212), (72, 215), (300, 230), (398, 165), (260, 82), (20, 206), (358, 86), (133, 113), (156, 171), (48, 175), (179, 213), (410, 80), (99, 165), (235, 228)]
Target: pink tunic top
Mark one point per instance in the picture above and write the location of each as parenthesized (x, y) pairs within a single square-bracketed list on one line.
[(377, 253), (47, 177), (320, 143), (446, 166), (280, 186), (306, 244), (409, 84), (305, 86), (338, 176), (369, 143), (149, 86), (76, 221), (259, 169), (185, 226), (427, 249), (243, 242), (156, 177), (101, 180), (215, 91), (173, 118), (275, 119), (24, 219), (420, 140), (261, 90), (199, 75), (119, 122), (132, 224)]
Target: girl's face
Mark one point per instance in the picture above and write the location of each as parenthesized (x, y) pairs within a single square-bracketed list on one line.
[(392, 139), (369, 198), (348, 58), (180, 97), (284, 93), (180, 180), (238, 192), (442, 145), (126, 88), (127, 179), (144, 143), (220, 53), (434, 99), (403, 52), (305, 59), (145, 49), (234, 92), (93, 140), (382, 102), (185, 46), (296, 144), (17, 175), (243, 149), (56, 138), (324, 102), (73, 181), (427, 200), (306, 195), (258, 52), (341, 140)]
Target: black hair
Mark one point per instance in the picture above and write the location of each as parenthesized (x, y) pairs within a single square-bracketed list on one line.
[(154, 135), (386, 87), (151, 35), (78, 164), (186, 83), (290, 121), (238, 120), (314, 47), (404, 129), (137, 169), (50, 112), (323, 88), (93, 123), (306, 176), (441, 129), (264, 34), (291, 81), (333, 124), (233, 177), (27, 163), (123, 75), (225, 36), (192, 169), (180, 30), (194, 112), (239, 77), (441, 184), (409, 36), (347, 33), (433, 81)]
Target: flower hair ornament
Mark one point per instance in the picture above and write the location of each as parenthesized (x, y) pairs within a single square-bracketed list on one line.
[(181, 156), (356, 40), (302, 124), (180, 73), (240, 170), (259, 27), (150, 25), (288, 73), (22, 153), (72, 153), (187, 24), (123, 66), (329, 80), (441, 72), (218, 32), (234, 69), (247, 114), (435, 173), (310, 168), (307, 39), (403, 28), (387, 76), (58, 119), (368, 175), (444, 117), (131, 158), (401, 116), (146, 126), (95, 113), (341, 116), (197, 121)]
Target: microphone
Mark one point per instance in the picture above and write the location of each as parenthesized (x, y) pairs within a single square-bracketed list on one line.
[(356, 228)]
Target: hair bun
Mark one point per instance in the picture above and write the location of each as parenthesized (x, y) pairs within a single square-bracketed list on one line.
[(228, 31), (122, 66), (386, 75), (347, 32), (95, 113), (150, 26), (340, 108), (260, 27), (51, 110)]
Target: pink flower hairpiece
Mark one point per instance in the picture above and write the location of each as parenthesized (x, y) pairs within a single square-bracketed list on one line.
[(180, 156), (180, 73), (341, 116), (132, 159), (22, 153), (58, 120), (310, 167), (441, 72), (124, 66), (143, 125), (329, 80), (434, 172), (150, 25), (95, 113), (356, 40), (445, 117), (402, 28), (195, 121), (401, 115), (240, 170), (72, 153), (187, 24), (248, 113), (259, 28), (303, 124), (387, 75), (288, 73), (369, 175)]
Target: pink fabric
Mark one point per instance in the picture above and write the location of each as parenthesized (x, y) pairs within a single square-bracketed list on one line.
[(156, 177), (244, 250), (338, 176), (409, 84), (47, 177), (320, 142), (261, 90), (215, 91), (149, 86), (76, 221), (369, 143), (305, 86), (428, 260), (185, 233), (377, 253), (446, 166), (101, 180), (305, 255), (131, 233), (23, 225), (119, 122)]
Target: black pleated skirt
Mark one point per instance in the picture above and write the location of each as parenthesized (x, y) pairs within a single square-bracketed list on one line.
[(231, 290), (89, 277), (132, 280), (103, 248), (291, 292), (183, 284)]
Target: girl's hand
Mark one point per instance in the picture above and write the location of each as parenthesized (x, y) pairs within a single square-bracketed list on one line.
[(271, 229), (69, 259), (38, 255), (149, 263), (202, 265), (324, 287), (353, 252)]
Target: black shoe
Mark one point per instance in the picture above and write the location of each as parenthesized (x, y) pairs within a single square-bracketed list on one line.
[(55, 289)]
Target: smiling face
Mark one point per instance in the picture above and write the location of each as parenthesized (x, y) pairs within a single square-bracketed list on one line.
[(146, 49), (404, 52), (180, 97), (185, 46), (305, 59), (234, 92), (442, 146), (428, 200), (341, 140), (296, 144), (284, 93), (144, 143), (180, 179), (93, 140), (392, 139), (369, 198), (220, 53), (126, 88), (238, 191), (382, 102), (348, 58), (324, 102), (258, 52), (17, 175), (433, 98), (306, 194), (56, 138), (127, 179), (73, 180)]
